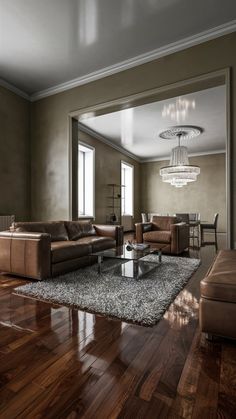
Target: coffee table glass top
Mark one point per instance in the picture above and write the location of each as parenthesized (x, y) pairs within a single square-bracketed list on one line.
[(122, 252)]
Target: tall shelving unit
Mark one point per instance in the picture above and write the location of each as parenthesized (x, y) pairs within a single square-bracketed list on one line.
[(114, 203)]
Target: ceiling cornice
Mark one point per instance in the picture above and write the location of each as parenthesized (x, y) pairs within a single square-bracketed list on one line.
[(122, 150), (14, 89), (104, 140), (182, 44), (201, 153)]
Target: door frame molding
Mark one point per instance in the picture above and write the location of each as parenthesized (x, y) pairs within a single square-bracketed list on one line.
[(204, 81)]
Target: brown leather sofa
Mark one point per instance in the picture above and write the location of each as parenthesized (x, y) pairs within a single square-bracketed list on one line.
[(218, 297), (41, 250), (164, 230)]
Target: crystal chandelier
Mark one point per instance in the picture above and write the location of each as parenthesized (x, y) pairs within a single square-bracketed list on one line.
[(178, 111), (179, 172)]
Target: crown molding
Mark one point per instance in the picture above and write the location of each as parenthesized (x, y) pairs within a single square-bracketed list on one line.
[(201, 153), (104, 140), (171, 48), (14, 89)]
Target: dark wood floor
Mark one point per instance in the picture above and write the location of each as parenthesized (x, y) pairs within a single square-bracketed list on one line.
[(63, 363)]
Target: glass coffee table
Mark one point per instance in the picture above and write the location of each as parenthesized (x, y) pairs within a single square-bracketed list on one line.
[(132, 265)]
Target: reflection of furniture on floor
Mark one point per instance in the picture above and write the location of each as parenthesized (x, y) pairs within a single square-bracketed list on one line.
[(193, 221), (165, 230), (218, 297), (209, 226)]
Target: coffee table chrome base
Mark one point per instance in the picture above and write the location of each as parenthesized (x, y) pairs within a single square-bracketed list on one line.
[(133, 268)]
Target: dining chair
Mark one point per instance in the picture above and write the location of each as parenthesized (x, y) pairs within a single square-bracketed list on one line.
[(193, 222), (209, 226), (144, 217), (151, 215), (194, 230)]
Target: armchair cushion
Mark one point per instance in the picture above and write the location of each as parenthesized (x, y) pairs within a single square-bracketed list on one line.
[(163, 222), (157, 236)]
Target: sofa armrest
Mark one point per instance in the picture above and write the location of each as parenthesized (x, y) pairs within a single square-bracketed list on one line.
[(179, 237), (141, 228), (114, 231), (26, 254), (24, 235)]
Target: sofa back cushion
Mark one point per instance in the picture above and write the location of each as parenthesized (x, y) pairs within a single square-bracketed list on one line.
[(78, 229), (163, 222), (56, 229)]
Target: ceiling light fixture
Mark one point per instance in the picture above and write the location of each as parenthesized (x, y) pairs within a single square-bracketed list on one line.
[(179, 172), (178, 111)]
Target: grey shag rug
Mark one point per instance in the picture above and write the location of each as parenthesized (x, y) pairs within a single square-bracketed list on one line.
[(141, 301)]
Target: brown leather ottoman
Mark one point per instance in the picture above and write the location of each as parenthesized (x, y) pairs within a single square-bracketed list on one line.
[(218, 297)]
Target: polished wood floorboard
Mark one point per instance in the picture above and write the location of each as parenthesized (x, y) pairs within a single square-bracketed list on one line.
[(57, 362)]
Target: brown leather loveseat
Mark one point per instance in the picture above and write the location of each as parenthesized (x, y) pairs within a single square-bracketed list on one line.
[(41, 250), (218, 297), (164, 230)]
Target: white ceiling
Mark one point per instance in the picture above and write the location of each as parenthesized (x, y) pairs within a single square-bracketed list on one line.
[(47, 43), (137, 130)]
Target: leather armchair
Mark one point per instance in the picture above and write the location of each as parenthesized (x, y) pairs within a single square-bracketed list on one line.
[(164, 230)]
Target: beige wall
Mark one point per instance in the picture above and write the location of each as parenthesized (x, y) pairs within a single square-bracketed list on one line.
[(107, 170), (205, 196), (50, 147), (14, 155)]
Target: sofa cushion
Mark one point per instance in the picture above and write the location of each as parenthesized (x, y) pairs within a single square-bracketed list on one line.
[(79, 229), (98, 243), (220, 286), (66, 250), (163, 222), (224, 262), (157, 236), (56, 229)]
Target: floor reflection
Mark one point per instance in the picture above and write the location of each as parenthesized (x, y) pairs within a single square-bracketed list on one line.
[(183, 309)]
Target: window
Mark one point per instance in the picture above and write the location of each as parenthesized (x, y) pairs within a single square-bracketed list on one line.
[(86, 181), (127, 181)]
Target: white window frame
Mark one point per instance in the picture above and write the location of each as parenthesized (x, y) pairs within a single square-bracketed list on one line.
[(93, 181), (122, 188)]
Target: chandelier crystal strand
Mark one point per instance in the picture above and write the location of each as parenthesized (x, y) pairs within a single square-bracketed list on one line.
[(179, 172)]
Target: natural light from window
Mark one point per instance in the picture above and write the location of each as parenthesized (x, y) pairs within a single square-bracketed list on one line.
[(127, 181), (86, 181)]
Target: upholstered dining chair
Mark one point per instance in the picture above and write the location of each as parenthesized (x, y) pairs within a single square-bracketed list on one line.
[(208, 226)]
